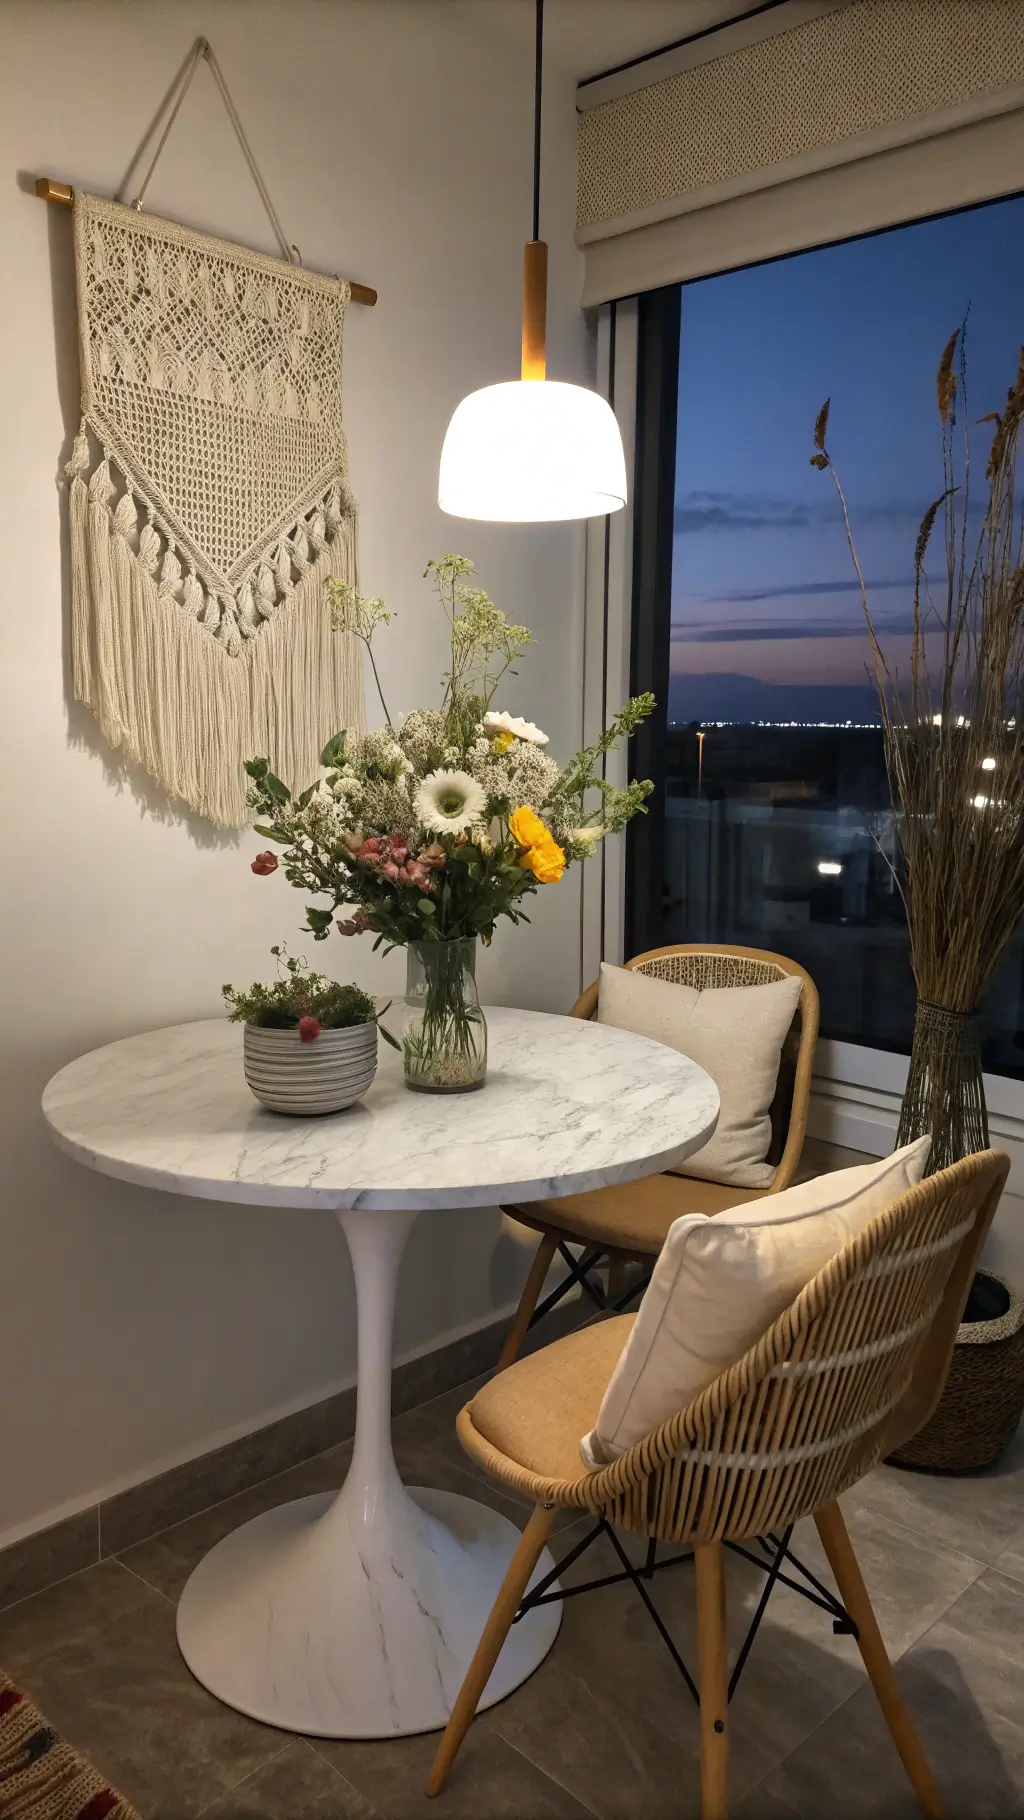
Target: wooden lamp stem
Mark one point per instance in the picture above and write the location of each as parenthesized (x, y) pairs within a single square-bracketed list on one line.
[(535, 309)]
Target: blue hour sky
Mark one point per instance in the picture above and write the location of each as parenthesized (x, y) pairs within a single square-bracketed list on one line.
[(766, 618)]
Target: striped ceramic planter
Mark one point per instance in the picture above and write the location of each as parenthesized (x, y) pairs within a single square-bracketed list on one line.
[(288, 1075)]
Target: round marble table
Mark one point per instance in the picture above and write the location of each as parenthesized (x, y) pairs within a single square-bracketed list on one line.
[(354, 1615)]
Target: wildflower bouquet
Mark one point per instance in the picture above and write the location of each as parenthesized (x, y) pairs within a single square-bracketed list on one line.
[(432, 829)]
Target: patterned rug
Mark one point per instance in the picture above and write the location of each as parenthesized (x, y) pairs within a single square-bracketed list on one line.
[(41, 1777)]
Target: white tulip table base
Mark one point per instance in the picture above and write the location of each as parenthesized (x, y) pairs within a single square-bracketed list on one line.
[(316, 1621), (356, 1614)]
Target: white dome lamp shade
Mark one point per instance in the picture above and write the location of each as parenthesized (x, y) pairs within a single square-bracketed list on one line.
[(533, 449)]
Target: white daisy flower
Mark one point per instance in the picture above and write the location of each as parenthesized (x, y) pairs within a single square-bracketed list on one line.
[(449, 802), (503, 722)]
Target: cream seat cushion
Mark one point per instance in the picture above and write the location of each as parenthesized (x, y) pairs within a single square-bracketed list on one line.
[(736, 1034), (719, 1284)]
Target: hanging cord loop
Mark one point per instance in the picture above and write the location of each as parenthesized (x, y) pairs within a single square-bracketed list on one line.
[(203, 48)]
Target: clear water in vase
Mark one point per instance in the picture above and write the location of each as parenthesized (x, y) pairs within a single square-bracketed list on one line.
[(444, 1035)]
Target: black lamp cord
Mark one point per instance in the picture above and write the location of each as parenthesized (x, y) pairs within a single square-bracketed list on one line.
[(536, 118)]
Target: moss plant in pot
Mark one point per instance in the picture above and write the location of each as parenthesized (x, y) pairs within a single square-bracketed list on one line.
[(953, 731), (309, 1044)]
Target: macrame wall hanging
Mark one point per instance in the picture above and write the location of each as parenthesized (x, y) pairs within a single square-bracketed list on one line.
[(209, 501)]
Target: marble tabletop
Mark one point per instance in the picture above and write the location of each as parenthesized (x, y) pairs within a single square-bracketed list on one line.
[(568, 1106)]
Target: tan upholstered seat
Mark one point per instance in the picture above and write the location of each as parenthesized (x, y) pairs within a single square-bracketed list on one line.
[(849, 1371), (629, 1223), (634, 1217), (535, 1412)]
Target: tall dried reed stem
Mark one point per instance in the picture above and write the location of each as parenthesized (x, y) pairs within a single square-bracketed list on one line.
[(953, 731)]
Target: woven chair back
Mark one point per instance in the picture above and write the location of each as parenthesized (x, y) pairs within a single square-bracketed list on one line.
[(847, 1371), (708, 968)]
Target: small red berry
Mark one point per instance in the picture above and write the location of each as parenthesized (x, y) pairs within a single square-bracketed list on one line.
[(309, 1030), (265, 863)]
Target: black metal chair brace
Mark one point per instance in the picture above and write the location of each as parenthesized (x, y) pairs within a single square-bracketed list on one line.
[(776, 1549), (579, 1272)]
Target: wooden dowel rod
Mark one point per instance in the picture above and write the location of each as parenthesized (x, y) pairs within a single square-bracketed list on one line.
[(52, 191)]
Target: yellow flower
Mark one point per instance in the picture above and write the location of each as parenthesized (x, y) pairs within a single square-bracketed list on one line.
[(502, 742), (527, 829), (542, 856), (546, 862)]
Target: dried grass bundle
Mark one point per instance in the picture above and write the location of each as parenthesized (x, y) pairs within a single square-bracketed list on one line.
[(953, 731)]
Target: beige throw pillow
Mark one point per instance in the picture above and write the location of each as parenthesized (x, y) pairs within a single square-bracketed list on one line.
[(719, 1284), (736, 1034)]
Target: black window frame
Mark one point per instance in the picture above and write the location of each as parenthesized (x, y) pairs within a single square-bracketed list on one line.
[(659, 321)]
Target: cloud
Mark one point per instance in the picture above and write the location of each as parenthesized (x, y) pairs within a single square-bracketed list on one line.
[(744, 596), (707, 510), (710, 511), (716, 632)]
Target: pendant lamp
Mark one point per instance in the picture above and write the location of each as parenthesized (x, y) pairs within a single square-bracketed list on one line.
[(534, 448)]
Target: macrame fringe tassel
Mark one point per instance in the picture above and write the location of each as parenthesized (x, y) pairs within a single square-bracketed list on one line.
[(170, 695)]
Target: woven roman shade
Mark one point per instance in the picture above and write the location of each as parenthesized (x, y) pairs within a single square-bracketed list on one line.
[(853, 119)]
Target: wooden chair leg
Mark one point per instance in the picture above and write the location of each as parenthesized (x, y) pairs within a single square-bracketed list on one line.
[(488, 1649), (854, 1594), (527, 1302), (714, 1680)]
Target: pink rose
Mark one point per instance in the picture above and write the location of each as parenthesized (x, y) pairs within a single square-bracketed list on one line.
[(389, 869), (309, 1029), (398, 847), (264, 864), (369, 849), (416, 874)]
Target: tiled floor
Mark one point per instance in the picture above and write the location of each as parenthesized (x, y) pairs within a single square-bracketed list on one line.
[(605, 1727)]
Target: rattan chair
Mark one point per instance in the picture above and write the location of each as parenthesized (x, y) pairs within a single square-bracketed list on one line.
[(849, 1371), (627, 1225)]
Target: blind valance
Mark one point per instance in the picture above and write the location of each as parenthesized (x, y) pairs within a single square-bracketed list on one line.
[(871, 113)]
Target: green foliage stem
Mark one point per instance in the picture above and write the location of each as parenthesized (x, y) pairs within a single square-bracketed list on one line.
[(298, 992)]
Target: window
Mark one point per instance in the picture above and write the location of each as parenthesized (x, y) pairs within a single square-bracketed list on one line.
[(772, 824)]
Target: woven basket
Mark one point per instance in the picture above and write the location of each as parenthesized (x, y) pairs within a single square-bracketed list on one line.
[(983, 1397)]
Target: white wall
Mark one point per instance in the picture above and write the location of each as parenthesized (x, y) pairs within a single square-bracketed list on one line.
[(139, 1328)]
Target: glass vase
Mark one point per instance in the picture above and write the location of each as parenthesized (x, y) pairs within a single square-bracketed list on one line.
[(444, 1036)]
